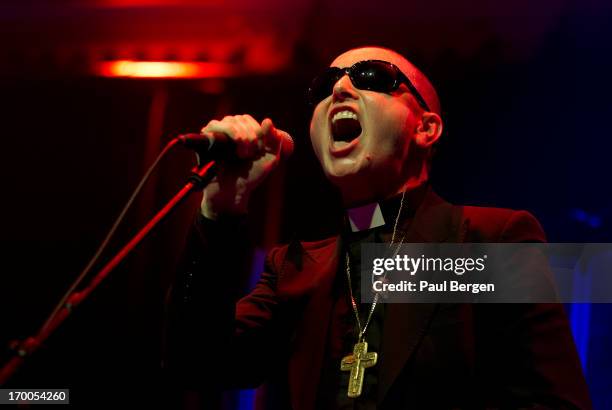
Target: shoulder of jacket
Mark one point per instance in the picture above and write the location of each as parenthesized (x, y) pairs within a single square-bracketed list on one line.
[(502, 224)]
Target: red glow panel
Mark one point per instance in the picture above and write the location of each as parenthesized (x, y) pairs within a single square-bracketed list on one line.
[(163, 69), (145, 3)]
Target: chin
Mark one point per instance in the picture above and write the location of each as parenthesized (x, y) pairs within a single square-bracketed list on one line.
[(343, 168)]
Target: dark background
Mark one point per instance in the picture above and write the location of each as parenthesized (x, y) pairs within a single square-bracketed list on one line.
[(525, 90)]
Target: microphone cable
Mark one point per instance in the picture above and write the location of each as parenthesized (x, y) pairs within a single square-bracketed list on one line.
[(110, 234)]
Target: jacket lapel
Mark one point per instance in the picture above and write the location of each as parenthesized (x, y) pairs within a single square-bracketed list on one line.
[(310, 278), (405, 324)]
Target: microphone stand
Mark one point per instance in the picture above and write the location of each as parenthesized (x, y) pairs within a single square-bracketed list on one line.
[(200, 177)]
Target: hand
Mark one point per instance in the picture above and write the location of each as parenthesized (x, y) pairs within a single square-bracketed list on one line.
[(258, 146)]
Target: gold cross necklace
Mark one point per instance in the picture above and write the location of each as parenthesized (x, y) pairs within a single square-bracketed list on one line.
[(361, 359)]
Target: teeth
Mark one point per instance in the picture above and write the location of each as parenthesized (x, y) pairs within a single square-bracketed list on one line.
[(344, 114)]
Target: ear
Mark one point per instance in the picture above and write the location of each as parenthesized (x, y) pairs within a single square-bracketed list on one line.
[(428, 130)]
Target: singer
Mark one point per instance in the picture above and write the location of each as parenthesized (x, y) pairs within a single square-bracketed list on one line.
[(303, 330)]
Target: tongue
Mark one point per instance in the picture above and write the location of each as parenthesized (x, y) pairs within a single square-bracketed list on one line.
[(345, 130)]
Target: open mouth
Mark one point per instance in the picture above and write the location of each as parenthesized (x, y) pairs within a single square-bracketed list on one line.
[(345, 128)]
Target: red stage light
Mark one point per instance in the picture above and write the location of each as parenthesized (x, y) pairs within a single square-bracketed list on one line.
[(164, 69)]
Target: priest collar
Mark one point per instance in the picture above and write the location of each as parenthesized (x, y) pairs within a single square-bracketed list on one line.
[(375, 214)]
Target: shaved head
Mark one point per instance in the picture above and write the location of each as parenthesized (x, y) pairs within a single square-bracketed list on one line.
[(420, 81)]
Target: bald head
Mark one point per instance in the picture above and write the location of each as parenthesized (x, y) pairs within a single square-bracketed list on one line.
[(419, 80)]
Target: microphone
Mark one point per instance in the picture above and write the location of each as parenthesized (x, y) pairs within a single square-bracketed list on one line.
[(219, 145)]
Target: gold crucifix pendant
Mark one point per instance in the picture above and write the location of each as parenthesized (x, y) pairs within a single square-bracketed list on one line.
[(357, 362)]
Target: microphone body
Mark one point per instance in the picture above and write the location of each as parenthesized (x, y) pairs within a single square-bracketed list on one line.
[(213, 146), (218, 145)]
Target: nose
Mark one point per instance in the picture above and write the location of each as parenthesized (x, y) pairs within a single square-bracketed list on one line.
[(344, 89)]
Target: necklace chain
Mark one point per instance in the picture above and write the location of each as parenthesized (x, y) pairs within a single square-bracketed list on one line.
[(362, 329)]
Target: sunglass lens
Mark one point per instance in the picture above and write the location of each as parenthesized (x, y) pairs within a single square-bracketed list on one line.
[(374, 76), (322, 86)]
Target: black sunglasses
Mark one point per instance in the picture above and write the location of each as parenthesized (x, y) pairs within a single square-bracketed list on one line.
[(372, 75)]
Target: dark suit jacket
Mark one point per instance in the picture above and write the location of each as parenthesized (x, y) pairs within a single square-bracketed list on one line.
[(433, 355)]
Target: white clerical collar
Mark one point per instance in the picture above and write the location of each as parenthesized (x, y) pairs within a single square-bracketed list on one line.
[(365, 217)]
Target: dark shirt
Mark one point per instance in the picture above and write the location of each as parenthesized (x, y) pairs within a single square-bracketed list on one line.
[(343, 330)]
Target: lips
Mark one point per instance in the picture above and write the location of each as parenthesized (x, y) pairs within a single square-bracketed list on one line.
[(345, 130)]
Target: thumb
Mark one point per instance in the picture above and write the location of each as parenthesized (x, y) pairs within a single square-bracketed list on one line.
[(276, 141)]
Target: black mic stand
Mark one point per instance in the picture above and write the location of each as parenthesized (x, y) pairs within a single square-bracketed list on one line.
[(200, 177)]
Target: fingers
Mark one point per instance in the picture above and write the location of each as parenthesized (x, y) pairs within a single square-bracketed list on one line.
[(254, 129), (244, 130)]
